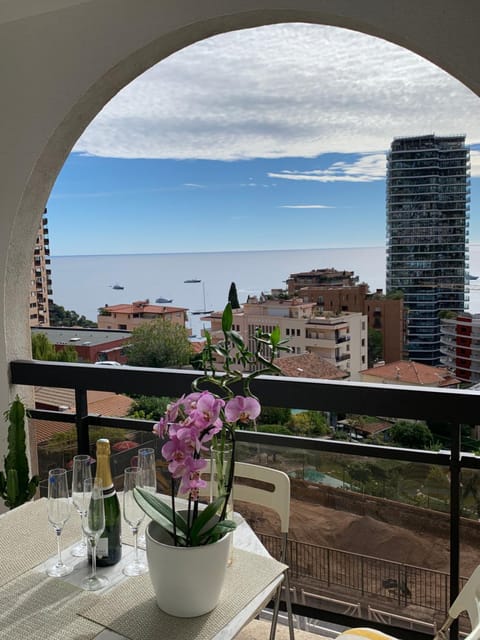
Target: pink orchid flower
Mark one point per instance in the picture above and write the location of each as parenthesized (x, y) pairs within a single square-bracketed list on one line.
[(242, 409)]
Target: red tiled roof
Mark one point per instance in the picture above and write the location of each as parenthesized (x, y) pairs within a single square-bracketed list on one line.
[(410, 372), (309, 365), (102, 403)]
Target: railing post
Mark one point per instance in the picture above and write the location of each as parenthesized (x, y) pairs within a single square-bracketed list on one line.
[(81, 421), (455, 470)]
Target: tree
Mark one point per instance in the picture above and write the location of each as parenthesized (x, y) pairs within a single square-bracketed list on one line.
[(159, 343), (375, 346), (59, 317), (233, 296), (148, 407), (413, 435), (309, 423), (274, 415), (43, 349)]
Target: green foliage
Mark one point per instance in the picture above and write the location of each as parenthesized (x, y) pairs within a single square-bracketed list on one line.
[(15, 485), (395, 295), (375, 346), (43, 349), (159, 344), (233, 296), (59, 317), (413, 435), (274, 415), (447, 314), (309, 423), (279, 429), (148, 407)]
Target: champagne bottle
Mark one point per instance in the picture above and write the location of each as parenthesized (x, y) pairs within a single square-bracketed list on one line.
[(109, 548)]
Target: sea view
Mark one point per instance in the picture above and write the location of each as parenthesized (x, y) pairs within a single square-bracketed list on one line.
[(84, 283)]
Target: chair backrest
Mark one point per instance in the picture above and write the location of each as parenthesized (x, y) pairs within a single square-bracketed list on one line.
[(273, 490), (275, 496), (469, 600)]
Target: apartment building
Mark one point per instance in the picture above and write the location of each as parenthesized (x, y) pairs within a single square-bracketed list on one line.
[(40, 278), (339, 291), (460, 346), (127, 317), (341, 339), (427, 233)]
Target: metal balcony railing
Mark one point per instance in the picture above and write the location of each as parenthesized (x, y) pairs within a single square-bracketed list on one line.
[(452, 406)]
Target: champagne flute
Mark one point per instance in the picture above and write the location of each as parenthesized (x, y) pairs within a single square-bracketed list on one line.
[(59, 509), (133, 516), (147, 465), (81, 471), (93, 524)]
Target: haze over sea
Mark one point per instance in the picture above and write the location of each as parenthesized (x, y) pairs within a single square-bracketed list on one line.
[(84, 283)]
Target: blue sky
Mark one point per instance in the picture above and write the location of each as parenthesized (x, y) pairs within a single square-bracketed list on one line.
[(269, 138)]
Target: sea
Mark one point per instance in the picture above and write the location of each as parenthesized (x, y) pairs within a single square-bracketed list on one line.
[(84, 283)]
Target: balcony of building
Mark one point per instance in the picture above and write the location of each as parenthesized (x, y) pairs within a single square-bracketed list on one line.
[(331, 585)]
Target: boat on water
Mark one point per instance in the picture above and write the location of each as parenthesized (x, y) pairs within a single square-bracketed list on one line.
[(470, 277), (117, 286), (163, 300), (191, 280)]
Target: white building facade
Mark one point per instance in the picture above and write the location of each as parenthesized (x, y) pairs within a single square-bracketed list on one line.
[(341, 339)]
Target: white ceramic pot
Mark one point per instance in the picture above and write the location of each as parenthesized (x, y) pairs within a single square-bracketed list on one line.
[(187, 580)]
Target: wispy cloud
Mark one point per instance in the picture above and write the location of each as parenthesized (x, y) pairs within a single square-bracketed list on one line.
[(289, 90), (194, 185), (368, 168), (475, 162), (305, 206)]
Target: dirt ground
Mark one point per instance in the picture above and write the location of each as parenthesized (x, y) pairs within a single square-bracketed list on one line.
[(318, 525)]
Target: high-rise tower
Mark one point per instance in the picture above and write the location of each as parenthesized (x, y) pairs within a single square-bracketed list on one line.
[(41, 281), (427, 232)]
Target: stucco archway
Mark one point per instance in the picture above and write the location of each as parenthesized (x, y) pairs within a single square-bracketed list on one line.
[(64, 59)]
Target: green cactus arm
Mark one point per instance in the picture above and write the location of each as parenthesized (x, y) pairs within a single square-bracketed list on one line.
[(13, 493), (15, 485)]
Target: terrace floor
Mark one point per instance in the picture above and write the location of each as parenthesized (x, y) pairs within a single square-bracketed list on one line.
[(260, 630)]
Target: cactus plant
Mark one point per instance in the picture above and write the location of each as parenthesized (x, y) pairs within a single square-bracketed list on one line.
[(15, 485)]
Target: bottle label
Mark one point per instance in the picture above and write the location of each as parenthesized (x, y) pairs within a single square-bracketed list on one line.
[(102, 548)]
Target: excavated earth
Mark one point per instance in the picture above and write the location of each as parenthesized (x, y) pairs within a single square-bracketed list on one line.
[(319, 525)]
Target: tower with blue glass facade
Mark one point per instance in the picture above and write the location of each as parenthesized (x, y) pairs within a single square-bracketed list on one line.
[(428, 183)]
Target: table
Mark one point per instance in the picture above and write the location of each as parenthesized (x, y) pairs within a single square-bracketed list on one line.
[(36, 606)]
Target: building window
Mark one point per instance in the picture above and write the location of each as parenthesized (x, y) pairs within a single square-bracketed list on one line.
[(122, 327)]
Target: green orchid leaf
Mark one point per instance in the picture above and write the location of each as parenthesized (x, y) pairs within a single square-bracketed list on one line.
[(227, 318), (161, 512), (275, 336)]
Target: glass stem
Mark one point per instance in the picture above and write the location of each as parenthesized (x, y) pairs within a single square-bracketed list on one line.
[(135, 542), (59, 549), (94, 558)]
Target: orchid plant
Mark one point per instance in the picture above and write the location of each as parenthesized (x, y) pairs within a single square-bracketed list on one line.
[(209, 416)]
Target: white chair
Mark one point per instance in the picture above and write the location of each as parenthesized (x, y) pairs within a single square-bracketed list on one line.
[(467, 600), (272, 491)]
